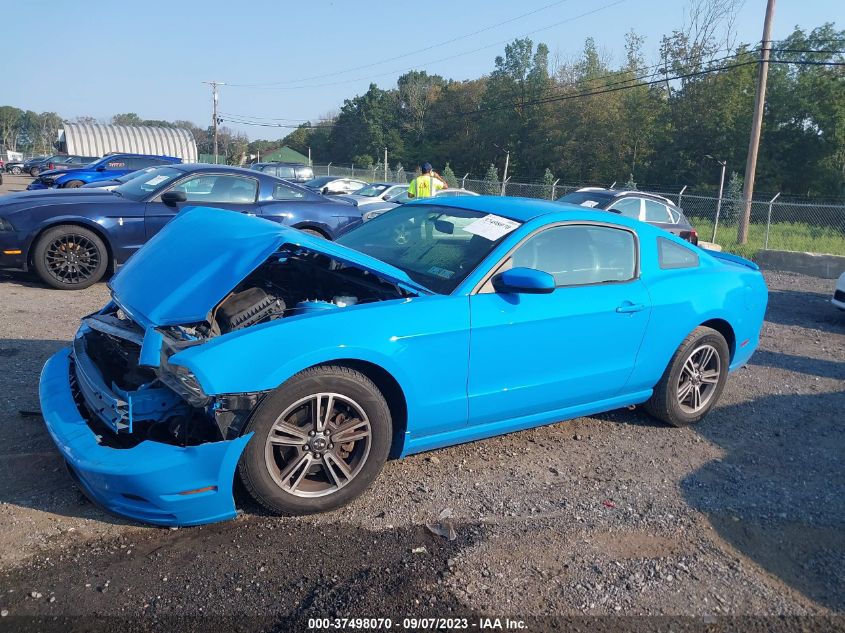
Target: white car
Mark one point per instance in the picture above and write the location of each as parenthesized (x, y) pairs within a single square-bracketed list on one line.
[(839, 293), (376, 193), (334, 185), (403, 198)]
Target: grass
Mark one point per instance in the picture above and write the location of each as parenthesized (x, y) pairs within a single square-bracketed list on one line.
[(783, 236)]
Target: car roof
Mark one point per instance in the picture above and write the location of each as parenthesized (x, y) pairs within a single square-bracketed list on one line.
[(133, 155), (280, 162), (618, 193), (521, 209)]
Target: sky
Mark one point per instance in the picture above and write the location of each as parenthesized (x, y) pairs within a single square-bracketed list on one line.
[(102, 58)]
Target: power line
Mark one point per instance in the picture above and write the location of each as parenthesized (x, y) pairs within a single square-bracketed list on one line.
[(435, 61), (408, 54)]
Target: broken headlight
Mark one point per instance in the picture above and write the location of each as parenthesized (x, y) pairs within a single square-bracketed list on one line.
[(183, 381), (5, 225)]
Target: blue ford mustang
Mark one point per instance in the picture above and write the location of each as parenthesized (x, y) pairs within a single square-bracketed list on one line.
[(300, 365), (71, 238)]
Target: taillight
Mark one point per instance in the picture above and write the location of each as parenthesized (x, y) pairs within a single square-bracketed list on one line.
[(50, 165)]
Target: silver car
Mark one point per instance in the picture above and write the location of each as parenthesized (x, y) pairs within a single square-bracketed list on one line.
[(402, 198)]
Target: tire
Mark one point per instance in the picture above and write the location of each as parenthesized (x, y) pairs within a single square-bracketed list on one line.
[(73, 184), (315, 233), (16, 171), (70, 257), (34, 171), (673, 400), (309, 485)]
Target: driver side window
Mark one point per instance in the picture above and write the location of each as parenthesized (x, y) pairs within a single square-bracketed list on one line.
[(219, 188), (577, 255)]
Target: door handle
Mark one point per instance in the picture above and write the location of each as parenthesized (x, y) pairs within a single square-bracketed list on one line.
[(629, 307)]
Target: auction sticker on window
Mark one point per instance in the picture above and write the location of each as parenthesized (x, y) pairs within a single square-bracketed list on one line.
[(155, 181), (491, 227)]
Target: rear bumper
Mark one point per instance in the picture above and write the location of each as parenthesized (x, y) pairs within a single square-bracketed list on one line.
[(146, 482)]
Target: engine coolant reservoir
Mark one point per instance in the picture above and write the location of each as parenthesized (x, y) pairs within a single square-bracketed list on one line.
[(308, 307)]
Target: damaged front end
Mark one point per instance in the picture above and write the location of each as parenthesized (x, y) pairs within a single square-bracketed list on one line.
[(122, 378), (136, 427)]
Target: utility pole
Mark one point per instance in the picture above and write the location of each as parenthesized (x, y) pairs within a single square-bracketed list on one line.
[(505, 175), (385, 164), (724, 164), (214, 97), (309, 156), (756, 125)]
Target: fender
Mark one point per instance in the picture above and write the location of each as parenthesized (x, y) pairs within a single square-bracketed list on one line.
[(430, 364)]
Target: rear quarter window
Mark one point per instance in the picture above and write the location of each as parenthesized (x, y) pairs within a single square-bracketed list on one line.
[(673, 256)]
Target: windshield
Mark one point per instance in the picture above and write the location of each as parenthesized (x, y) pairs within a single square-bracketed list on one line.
[(132, 175), (436, 246), (586, 198), (370, 191), (139, 188)]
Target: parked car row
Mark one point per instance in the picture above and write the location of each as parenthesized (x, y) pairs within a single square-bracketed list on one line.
[(106, 168)]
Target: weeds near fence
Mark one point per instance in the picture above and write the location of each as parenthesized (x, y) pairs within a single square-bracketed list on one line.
[(787, 236)]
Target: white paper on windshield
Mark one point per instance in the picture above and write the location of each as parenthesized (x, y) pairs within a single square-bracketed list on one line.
[(589, 203), (156, 181), (491, 227)]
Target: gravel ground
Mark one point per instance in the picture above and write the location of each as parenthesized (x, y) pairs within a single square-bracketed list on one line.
[(614, 514)]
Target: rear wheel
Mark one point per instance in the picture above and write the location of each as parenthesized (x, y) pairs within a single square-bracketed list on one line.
[(320, 440), (73, 184), (694, 379), (70, 257), (315, 233)]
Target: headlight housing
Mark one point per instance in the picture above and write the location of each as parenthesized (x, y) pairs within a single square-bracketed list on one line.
[(183, 381), (5, 225), (369, 215)]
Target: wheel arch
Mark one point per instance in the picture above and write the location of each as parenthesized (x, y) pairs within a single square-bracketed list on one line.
[(392, 392), (91, 226), (725, 329), (314, 227)]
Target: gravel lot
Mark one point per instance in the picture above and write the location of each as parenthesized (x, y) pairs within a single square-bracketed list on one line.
[(607, 515)]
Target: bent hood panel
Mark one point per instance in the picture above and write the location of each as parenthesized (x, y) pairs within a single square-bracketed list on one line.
[(203, 253)]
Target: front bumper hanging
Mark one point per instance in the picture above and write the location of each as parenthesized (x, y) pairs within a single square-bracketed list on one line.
[(152, 482)]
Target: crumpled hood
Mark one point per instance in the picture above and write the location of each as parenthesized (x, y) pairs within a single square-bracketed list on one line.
[(203, 253)]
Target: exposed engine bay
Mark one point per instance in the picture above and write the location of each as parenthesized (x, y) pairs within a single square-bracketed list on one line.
[(128, 400), (293, 283)]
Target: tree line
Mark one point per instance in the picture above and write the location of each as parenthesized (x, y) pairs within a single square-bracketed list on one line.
[(588, 121)]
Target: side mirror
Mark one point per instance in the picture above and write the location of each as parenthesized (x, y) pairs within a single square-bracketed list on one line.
[(101, 168), (524, 281), (173, 197)]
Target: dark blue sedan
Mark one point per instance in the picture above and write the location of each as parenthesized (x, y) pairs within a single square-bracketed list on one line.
[(73, 239)]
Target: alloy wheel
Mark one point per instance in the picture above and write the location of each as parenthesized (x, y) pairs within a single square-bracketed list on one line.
[(699, 378), (318, 445), (72, 258)]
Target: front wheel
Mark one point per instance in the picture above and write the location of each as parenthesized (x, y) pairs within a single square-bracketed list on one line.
[(73, 184), (694, 379), (70, 257), (320, 440), (34, 172), (16, 171)]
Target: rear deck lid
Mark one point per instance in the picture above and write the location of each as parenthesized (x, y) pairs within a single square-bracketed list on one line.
[(203, 253)]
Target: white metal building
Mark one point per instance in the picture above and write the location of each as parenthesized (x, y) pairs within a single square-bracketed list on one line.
[(93, 139)]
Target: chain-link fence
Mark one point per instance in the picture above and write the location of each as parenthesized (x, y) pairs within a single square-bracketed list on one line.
[(775, 224)]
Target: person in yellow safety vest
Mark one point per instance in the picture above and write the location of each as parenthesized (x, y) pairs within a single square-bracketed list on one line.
[(424, 185)]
